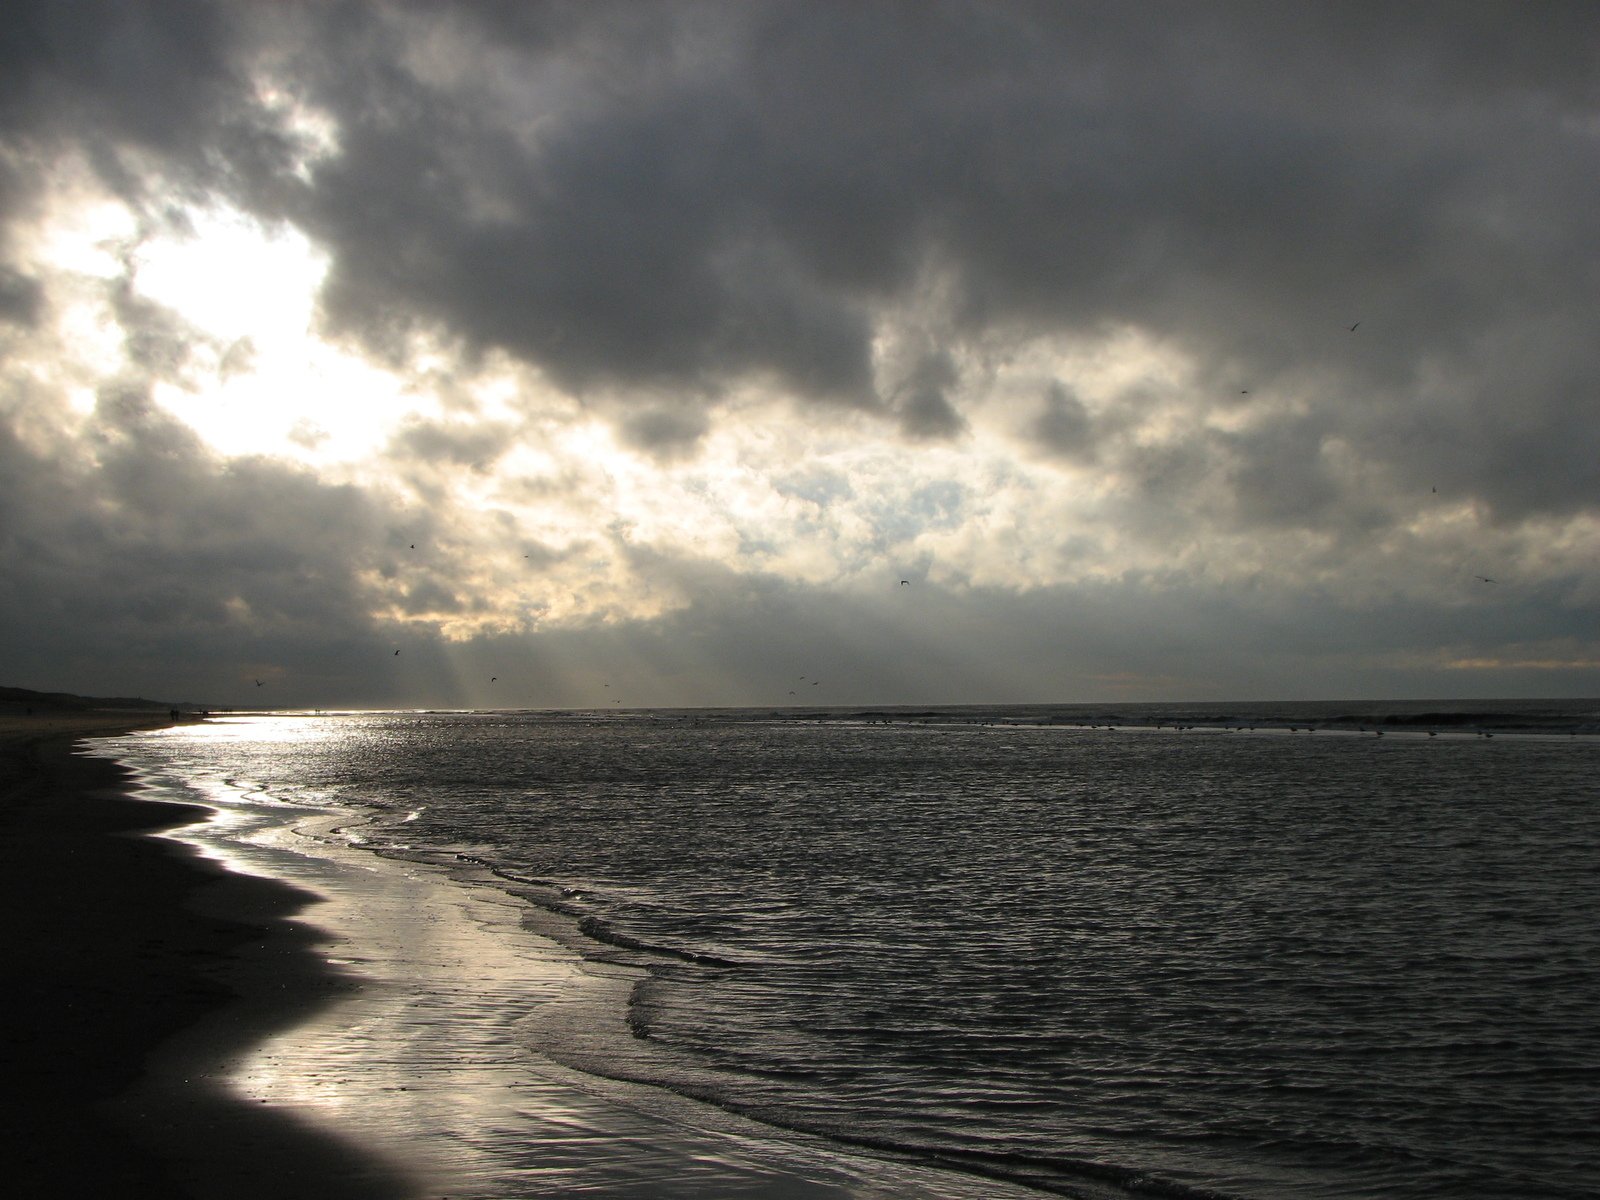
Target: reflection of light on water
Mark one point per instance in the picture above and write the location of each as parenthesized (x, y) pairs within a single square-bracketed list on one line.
[(419, 1059), (426, 1052), (263, 727), (431, 1058)]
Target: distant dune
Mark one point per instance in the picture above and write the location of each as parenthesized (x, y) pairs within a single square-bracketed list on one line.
[(15, 700)]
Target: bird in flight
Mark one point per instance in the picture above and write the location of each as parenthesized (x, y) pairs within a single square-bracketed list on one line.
[(1353, 327), (260, 684), (1483, 578), (492, 678), (397, 654), (905, 583)]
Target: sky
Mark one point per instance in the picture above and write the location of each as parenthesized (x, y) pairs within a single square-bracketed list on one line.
[(760, 353)]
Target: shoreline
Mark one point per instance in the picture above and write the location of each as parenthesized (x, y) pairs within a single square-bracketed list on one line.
[(220, 1045), (120, 950)]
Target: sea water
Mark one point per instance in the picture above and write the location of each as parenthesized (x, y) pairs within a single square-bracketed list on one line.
[(1219, 951)]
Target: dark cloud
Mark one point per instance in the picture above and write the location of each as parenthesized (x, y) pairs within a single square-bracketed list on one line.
[(1214, 176), (652, 206), (21, 297), (746, 639), (135, 554), (664, 432), (475, 445), (1280, 476), (158, 342), (607, 256), (690, 194), (158, 97), (1064, 429), (923, 400)]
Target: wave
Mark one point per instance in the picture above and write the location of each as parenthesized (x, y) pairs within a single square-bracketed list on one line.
[(1529, 717), (763, 891)]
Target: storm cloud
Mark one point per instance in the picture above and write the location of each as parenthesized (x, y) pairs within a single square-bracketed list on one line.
[(1189, 315)]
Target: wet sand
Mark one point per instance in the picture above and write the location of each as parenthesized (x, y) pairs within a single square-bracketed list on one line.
[(107, 959), (232, 1010)]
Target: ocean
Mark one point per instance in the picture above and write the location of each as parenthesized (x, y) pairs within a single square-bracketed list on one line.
[(1293, 951)]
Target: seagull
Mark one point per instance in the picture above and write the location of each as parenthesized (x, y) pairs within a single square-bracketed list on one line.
[(492, 678), (413, 545), (1484, 578), (1353, 327), (260, 684), (905, 583), (397, 654)]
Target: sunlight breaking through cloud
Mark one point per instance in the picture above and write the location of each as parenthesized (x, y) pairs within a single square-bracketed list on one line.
[(542, 330)]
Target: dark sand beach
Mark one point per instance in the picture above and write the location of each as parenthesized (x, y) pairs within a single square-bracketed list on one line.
[(145, 975), (112, 944)]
